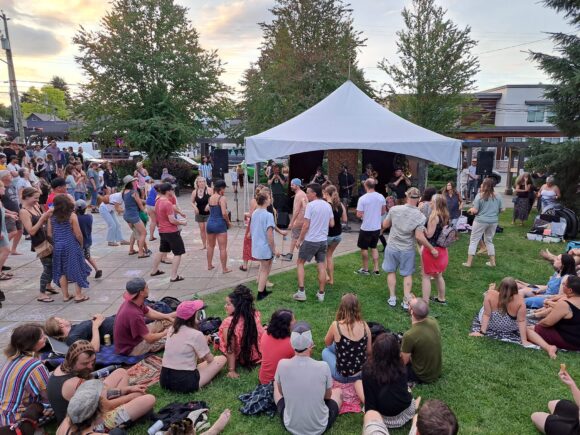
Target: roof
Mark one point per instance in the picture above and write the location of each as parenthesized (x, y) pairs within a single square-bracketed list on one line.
[(350, 119), (488, 95), (514, 128), (45, 117), (536, 86)]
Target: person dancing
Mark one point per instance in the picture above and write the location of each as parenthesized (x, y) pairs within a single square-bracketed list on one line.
[(217, 226)]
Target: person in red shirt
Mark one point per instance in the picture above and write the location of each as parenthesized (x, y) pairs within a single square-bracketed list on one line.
[(58, 186), (275, 344), (169, 231), (131, 335)]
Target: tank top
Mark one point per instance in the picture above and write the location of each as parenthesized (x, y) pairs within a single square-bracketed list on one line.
[(54, 391), (350, 354), (131, 207), (548, 198), (40, 235), (201, 203), (336, 230), (569, 329), (436, 234)]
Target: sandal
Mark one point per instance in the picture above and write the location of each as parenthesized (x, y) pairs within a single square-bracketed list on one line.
[(52, 291), (144, 256), (70, 298), (5, 277), (243, 269), (85, 298), (132, 252), (179, 278), (159, 272), (47, 300), (166, 262)]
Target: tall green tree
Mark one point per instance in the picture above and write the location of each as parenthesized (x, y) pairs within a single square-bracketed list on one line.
[(5, 114), (436, 68), (60, 83), (149, 80), (564, 70), (305, 55), (47, 100)]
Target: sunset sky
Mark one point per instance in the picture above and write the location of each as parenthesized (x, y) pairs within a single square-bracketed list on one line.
[(41, 34)]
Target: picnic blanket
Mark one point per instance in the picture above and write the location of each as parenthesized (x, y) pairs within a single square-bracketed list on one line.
[(350, 400), (145, 372), (260, 400), (508, 337), (105, 357)]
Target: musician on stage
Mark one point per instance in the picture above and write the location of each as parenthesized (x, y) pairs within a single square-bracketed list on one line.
[(345, 185), (368, 173), (399, 184)]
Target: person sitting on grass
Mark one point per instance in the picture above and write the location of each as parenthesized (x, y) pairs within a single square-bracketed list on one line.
[(241, 332), (503, 311), (93, 330), (123, 403), (564, 265), (384, 380), (421, 347), (275, 344), (186, 345), (435, 418), (560, 329), (563, 417), (303, 392), (547, 255), (348, 343)]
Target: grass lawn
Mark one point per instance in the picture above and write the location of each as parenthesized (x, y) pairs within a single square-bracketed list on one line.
[(491, 386)]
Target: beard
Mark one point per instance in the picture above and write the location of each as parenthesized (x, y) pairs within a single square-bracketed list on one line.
[(84, 373)]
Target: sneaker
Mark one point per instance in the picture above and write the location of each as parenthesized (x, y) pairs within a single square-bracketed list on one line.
[(392, 301), (362, 271), (2, 296), (125, 243), (299, 296), (438, 301), (263, 295), (286, 257), (98, 274), (405, 304), (376, 273), (320, 297), (113, 244)]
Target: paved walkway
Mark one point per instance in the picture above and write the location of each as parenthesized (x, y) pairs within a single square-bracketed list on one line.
[(106, 293)]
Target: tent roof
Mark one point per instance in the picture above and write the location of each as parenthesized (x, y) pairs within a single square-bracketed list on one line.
[(349, 119)]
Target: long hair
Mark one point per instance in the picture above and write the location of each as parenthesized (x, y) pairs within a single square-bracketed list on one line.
[(349, 311), (63, 208), (385, 363), (568, 265), (440, 209), (192, 322), (521, 180), (334, 199), (508, 288), (23, 340), (279, 326), (487, 189), (196, 182), (453, 189), (243, 301)]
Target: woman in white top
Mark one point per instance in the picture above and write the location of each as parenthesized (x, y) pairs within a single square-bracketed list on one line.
[(111, 206), (549, 194)]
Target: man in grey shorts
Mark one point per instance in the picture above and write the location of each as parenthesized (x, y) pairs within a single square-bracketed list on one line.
[(318, 218), (407, 224), (298, 209)]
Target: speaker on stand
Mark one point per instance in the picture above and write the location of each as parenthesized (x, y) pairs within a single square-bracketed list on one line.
[(220, 163), (484, 163)]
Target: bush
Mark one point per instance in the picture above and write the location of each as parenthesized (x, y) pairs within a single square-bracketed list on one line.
[(123, 168), (182, 171), (441, 174)]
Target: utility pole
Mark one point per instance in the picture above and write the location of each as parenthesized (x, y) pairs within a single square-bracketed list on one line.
[(14, 99)]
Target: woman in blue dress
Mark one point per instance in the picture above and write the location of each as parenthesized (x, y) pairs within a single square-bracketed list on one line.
[(217, 226), (133, 205), (68, 261)]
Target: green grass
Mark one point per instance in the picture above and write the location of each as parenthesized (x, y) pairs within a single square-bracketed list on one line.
[(491, 386)]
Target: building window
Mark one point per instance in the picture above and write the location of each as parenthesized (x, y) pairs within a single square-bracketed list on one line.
[(536, 113), (515, 139)]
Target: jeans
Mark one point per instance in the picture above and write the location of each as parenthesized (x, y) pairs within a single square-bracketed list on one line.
[(472, 189), (46, 276), (329, 357), (80, 195), (114, 233), (93, 194)]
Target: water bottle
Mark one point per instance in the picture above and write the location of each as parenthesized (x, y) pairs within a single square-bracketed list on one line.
[(105, 371), (157, 426)]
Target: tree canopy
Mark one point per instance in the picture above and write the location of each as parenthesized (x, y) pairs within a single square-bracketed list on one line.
[(149, 80), (48, 100)]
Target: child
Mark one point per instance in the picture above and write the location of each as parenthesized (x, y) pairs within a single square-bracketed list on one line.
[(86, 225)]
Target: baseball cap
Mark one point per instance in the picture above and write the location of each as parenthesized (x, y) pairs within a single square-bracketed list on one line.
[(301, 337), (187, 309), (413, 192), (133, 287), (85, 401), (81, 203), (296, 182)]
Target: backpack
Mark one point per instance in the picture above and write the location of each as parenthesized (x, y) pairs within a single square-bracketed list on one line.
[(171, 302), (448, 236), (210, 325)]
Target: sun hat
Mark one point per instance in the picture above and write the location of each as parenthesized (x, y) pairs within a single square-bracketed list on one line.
[(187, 309), (301, 337), (133, 287), (85, 402), (296, 182), (128, 179)]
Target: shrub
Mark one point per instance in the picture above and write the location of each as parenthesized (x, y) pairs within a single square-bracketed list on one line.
[(182, 171)]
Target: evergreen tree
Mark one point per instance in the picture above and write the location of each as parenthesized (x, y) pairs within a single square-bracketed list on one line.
[(59, 83)]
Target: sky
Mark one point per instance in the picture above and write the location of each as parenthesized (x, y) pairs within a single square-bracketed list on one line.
[(41, 33)]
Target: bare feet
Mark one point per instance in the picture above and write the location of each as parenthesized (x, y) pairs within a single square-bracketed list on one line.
[(15, 253), (466, 264), (210, 267), (220, 423), (552, 352), (547, 255), (227, 270)]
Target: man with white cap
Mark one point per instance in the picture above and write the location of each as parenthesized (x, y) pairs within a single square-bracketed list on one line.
[(298, 209), (303, 392), (131, 335)]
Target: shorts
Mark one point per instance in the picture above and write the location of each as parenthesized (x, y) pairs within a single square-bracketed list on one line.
[(180, 381), (296, 232), (402, 260), (87, 252), (553, 337), (151, 208), (13, 225), (368, 239), (171, 242), (308, 250), (564, 420), (375, 427), (116, 417), (201, 217), (334, 240), (330, 404)]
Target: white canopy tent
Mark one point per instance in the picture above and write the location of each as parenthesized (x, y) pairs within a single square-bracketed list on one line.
[(349, 119)]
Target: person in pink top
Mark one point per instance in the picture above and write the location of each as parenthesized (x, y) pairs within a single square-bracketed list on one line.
[(241, 332), (275, 344)]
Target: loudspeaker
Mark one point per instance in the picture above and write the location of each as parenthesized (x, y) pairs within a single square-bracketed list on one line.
[(220, 161), (484, 163)]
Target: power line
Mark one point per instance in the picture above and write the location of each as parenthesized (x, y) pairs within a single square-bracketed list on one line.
[(513, 46)]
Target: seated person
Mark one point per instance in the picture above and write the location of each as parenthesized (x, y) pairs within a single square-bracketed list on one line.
[(561, 328), (384, 380), (121, 403), (303, 392), (23, 377), (547, 255), (564, 265), (131, 335), (563, 416), (275, 344), (241, 332), (93, 330), (421, 347), (186, 345), (435, 418), (503, 310)]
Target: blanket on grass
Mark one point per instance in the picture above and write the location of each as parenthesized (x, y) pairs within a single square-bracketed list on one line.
[(350, 400), (508, 337), (105, 357), (145, 372)]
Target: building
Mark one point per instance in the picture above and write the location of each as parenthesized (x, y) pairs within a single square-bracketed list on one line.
[(47, 125)]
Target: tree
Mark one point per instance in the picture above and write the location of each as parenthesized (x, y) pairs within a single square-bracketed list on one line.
[(59, 83), (5, 115), (47, 100), (564, 71), (436, 69), (305, 55), (149, 80)]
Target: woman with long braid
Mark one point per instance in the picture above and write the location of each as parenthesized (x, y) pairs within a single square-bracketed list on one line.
[(240, 333)]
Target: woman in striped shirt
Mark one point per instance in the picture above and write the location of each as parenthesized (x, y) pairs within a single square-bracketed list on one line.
[(205, 170)]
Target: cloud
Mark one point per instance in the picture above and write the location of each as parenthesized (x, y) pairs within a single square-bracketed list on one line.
[(28, 41)]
